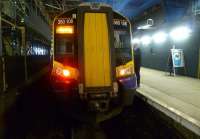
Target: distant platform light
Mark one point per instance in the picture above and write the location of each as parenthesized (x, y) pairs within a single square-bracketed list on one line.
[(148, 25), (64, 30), (144, 27), (146, 40), (180, 33), (135, 41), (160, 37)]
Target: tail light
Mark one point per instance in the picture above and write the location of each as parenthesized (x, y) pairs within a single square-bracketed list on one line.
[(64, 72), (122, 72), (125, 70)]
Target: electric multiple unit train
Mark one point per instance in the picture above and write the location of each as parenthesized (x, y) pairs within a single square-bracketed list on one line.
[(92, 55)]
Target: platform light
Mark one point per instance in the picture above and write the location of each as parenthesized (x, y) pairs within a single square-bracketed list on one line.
[(64, 29), (135, 41), (144, 27), (148, 25), (160, 37), (180, 33), (146, 40)]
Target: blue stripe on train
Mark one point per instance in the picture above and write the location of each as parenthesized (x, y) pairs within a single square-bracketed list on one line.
[(129, 82)]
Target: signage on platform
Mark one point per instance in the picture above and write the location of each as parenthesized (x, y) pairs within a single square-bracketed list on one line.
[(177, 58)]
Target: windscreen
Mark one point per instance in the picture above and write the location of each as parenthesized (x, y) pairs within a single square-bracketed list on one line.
[(122, 41), (122, 46), (65, 40), (64, 50), (64, 46)]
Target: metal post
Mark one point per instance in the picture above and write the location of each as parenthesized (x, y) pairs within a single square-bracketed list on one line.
[(2, 60), (1, 46), (4, 74), (23, 33)]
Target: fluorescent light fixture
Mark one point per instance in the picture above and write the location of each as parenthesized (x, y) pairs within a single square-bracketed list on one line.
[(148, 25), (144, 27), (146, 40), (180, 33), (160, 37), (135, 41)]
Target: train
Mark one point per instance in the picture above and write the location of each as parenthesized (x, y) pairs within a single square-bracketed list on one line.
[(93, 56)]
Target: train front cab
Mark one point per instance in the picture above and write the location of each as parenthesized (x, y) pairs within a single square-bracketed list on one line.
[(90, 68), (125, 73), (98, 60)]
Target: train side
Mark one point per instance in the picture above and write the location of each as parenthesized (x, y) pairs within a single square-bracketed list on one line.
[(92, 55)]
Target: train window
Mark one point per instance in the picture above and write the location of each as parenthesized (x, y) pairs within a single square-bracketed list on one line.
[(122, 39), (122, 47), (64, 46), (65, 51)]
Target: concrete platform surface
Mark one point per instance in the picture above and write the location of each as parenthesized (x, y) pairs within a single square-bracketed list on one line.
[(178, 97)]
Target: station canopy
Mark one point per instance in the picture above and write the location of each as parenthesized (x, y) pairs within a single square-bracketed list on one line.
[(129, 8)]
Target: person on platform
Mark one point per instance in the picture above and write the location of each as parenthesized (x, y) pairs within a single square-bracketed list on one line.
[(170, 64), (137, 61)]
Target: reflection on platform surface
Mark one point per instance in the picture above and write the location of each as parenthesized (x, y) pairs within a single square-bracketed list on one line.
[(176, 96)]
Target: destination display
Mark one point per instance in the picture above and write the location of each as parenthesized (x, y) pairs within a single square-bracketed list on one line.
[(67, 20), (120, 24)]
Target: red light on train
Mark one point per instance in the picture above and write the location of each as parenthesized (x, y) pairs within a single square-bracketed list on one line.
[(66, 73)]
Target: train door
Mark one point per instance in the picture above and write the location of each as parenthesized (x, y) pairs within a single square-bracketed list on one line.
[(97, 65)]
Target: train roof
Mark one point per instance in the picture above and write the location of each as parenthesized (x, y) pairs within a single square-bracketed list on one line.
[(94, 3), (86, 4)]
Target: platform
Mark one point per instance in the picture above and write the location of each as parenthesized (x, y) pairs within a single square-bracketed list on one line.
[(178, 97)]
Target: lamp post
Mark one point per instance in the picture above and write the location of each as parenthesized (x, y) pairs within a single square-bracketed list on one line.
[(1, 47), (2, 61)]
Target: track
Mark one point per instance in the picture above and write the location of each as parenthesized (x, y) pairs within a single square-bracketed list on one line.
[(38, 114)]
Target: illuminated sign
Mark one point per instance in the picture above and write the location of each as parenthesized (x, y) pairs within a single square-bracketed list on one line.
[(64, 21), (177, 58), (120, 22), (64, 30)]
